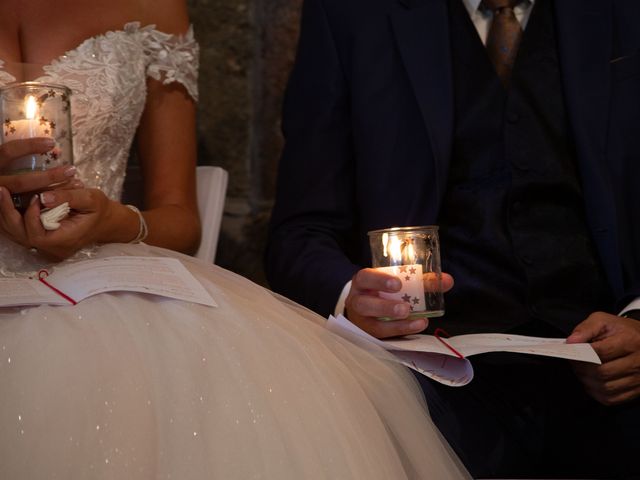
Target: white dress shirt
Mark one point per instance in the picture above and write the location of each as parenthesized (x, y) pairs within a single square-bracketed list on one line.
[(481, 18)]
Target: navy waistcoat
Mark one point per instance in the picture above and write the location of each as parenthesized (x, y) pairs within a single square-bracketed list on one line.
[(513, 229)]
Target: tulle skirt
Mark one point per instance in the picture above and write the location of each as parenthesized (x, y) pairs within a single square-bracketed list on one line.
[(128, 385)]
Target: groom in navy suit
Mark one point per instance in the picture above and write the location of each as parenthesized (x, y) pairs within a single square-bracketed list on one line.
[(515, 126)]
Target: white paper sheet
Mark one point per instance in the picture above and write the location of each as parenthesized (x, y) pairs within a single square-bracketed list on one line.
[(166, 277), (431, 357)]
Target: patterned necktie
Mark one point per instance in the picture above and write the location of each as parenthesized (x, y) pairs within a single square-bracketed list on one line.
[(504, 37)]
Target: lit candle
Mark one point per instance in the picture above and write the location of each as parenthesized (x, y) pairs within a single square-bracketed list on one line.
[(402, 256), (33, 125), (32, 109)]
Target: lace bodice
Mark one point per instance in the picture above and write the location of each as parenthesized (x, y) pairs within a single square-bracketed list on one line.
[(107, 76)]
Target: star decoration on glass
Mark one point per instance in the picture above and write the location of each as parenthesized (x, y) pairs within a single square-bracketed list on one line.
[(403, 269), (51, 93), (43, 120), (52, 125), (407, 278), (406, 298), (7, 123), (416, 300), (412, 270)]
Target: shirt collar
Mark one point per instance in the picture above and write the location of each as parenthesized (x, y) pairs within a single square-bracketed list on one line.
[(474, 5)]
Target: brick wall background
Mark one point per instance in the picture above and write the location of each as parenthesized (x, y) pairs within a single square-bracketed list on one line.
[(247, 49)]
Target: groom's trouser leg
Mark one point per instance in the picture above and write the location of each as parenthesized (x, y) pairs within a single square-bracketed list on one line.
[(528, 416)]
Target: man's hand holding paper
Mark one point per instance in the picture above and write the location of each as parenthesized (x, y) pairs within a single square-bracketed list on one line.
[(617, 342)]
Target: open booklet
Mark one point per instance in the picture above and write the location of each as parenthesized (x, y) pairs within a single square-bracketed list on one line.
[(445, 359), (73, 282)]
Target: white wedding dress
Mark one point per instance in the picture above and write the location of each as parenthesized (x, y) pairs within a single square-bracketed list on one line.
[(132, 386)]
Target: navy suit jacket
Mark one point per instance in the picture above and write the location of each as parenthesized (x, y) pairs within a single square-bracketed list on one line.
[(368, 122)]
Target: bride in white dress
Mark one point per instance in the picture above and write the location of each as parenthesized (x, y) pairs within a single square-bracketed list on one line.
[(133, 386)]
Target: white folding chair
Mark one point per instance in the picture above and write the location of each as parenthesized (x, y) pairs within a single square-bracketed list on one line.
[(211, 192)]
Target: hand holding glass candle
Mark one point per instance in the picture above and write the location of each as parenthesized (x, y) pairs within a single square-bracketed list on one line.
[(32, 109), (413, 255)]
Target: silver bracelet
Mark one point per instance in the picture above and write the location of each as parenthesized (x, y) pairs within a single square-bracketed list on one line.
[(143, 231)]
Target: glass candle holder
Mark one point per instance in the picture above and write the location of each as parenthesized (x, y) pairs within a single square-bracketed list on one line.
[(413, 255), (32, 109)]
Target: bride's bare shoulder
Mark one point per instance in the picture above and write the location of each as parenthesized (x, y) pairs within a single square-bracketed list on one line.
[(169, 16)]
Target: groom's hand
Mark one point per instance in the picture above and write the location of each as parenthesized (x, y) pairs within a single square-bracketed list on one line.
[(616, 340), (365, 308)]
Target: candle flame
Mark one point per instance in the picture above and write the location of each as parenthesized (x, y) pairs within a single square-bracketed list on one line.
[(401, 251), (392, 247), (30, 107)]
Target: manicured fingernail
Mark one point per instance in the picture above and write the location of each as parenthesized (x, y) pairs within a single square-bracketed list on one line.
[(70, 172), (47, 197), (419, 324), (401, 310), (33, 200), (393, 284)]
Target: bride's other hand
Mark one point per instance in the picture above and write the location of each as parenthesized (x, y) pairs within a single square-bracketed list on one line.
[(35, 181), (94, 219)]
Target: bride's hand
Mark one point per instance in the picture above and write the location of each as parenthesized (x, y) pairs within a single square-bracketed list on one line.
[(35, 181), (94, 219)]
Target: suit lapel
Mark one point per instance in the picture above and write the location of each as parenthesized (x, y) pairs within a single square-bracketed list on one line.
[(585, 43), (421, 28)]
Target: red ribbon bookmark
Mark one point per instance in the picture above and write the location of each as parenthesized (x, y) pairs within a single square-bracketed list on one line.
[(438, 333), (42, 274)]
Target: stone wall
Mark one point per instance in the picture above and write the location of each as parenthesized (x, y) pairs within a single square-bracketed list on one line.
[(247, 49)]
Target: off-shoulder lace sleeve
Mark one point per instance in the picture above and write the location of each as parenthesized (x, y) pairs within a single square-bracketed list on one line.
[(5, 77), (172, 58)]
